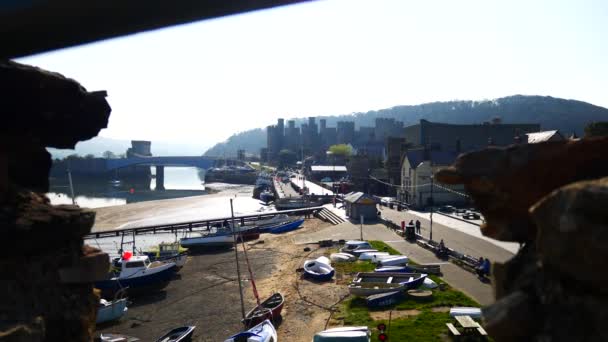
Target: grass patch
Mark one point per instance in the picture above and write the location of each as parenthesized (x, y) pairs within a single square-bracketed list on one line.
[(426, 326)]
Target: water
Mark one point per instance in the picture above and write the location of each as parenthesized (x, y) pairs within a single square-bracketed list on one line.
[(179, 182)]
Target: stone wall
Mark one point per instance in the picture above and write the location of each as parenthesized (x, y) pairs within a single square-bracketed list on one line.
[(551, 197), (46, 287)]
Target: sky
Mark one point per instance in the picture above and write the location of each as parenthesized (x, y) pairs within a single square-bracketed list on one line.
[(200, 83)]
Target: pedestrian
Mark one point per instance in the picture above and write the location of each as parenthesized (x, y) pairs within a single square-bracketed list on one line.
[(411, 223), (417, 227)]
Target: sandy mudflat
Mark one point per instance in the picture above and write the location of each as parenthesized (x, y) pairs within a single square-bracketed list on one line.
[(206, 293)]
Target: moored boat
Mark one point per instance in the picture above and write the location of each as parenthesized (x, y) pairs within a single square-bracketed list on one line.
[(269, 309), (200, 241), (408, 280), (394, 261), (342, 257), (295, 203), (385, 299), (137, 274), (357, 252), (263, 332), (180, 334), (111, 337), (343, 334), (286, 227), (429, 283), (318, 269), (169, 251), (108, 311)]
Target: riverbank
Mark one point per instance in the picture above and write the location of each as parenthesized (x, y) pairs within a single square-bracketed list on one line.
[(179, 209)]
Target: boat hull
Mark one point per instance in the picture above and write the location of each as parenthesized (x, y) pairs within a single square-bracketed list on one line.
[(263, 332), (215, 241), (408, 280), (385, 299), (346, 334), (293, 225), (137, 285), (368, 289), (393, 269), (181, 334), (396, 261), (270, 309), (112, 312), (318, 269)]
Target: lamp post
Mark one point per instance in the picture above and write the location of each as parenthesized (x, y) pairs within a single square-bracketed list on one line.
[(432, 205)]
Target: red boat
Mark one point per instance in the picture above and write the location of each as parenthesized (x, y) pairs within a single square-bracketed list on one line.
[(268, 309)]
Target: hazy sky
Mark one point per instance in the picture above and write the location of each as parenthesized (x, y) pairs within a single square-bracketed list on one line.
[(200, 83)]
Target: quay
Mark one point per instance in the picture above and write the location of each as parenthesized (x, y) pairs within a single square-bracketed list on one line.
[(197, 225)]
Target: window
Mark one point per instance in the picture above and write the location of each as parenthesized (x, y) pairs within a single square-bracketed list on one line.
[(135, 264)]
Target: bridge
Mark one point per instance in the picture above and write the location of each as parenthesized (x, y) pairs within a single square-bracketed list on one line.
[(160, 163)]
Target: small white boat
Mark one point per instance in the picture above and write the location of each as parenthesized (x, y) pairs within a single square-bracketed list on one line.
[(368, 289), (357, 252), (377, 258), (354, 244), (346, 334), (394, 261), (207, 240), (342, 257), (263, 332), (111, 311), (429, 283), (371, 255), (318, 269), (465, 311)]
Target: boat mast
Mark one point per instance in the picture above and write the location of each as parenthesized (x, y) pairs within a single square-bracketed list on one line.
[(236, 255), (71, 185)]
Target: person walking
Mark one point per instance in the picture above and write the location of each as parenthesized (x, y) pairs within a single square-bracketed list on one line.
[(417, 227)]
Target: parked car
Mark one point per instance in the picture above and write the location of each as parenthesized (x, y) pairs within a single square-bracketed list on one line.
[(447, 209), (471, 215)]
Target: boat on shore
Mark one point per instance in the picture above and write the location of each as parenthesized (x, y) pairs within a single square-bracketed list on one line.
[(351, 245), (342, 257), (169, 252), (385, 299), (286, 227), (268, 309), (393, 269), (395, 260), (295, 203), (372, 255), (180, 334), (343, 334), (138, 275), (108, 311), (318, 269), (357, 252), (201, 241), (112, 337), (368, 289), (263, 332), (408, 280)]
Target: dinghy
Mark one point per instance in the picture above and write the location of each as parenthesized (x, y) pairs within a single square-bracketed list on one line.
[(429, 283), (393, 269), (465, 311), (137, 274), (111, 337), (371, 255), (342, 257), (110, 311), (354, 244), (408, 280), (357, 252), (318, 269), (343, 334), (428, 269), (385, 299), (394, 261), (368, 289), (181, 334), (263, 332), (286, 227), (268, 309)]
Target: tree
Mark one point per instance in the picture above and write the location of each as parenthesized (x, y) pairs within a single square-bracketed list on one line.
[(109, 155), (341, 150), (596, 129), (89, 156)]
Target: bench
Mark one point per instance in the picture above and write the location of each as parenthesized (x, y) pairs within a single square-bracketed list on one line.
[(453, 329), (464, 264)]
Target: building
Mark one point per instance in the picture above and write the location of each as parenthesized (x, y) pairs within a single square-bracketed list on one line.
[(449, 137), (387, 128), (417, 187), (139, 148), (345, 132), (395, 150), (534, 138), (359, 204)]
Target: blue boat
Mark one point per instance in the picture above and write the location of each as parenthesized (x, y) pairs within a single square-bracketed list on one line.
[(385, 299), (318, 269), (286, 227), (263, 332), (110, 311), (137, 274)]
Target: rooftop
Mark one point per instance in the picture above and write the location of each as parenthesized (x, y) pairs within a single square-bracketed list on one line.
[(538, 137)]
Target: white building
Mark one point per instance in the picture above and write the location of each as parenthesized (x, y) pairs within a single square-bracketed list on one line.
[(416, 170)]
